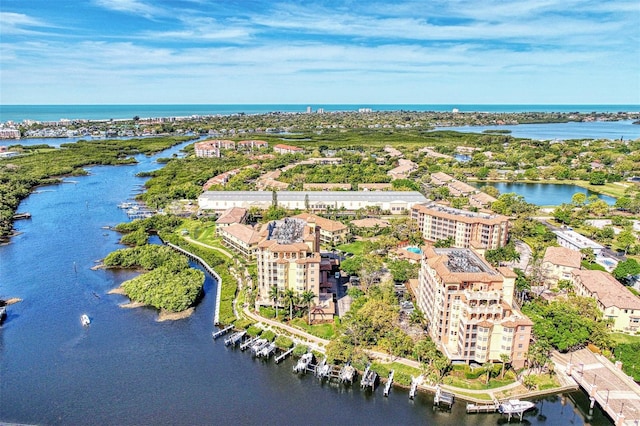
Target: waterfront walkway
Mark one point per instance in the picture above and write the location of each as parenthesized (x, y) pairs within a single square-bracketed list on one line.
[(607, 384)]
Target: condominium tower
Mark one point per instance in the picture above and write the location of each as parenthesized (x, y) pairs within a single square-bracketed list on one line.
[(469, 307)]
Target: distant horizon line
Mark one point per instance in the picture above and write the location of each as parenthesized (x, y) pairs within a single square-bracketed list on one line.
[(321, 103)]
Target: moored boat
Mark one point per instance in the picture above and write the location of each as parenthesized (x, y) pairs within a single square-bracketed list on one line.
[(85, 320), (515, 406)]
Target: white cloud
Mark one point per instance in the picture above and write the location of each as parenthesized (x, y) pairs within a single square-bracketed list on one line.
[(134, 7), (19, 24)]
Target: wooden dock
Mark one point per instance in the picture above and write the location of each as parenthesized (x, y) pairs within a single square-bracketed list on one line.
[(283, 355), (483, 408), (222, 332)]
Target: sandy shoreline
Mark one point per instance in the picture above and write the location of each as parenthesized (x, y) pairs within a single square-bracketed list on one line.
[(163, 315)]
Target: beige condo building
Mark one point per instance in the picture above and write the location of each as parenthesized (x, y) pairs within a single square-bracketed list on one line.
[(469, 307), (288, 257), (468, 229)]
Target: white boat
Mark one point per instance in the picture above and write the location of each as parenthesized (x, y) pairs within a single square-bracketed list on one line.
[(85, 320), (515, 406)]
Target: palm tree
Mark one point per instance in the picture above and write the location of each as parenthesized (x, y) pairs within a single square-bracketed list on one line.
[(306, 297), (505, 358), (288, 298), (274, 294), (488, 366)]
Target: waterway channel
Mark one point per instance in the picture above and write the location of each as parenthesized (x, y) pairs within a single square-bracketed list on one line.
[(126, 368)]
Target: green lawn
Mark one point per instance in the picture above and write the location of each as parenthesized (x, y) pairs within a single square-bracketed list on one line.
[(624, 338), (324, 331), (456, 378), (355, 247), (204, 232)]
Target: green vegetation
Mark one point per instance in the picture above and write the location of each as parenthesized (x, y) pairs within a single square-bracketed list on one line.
[(20, 175), (283, 342), (324, 331), (254, 331), (475, 379), (170, 283), (300, 350), (269, 335), (566, 325), (356, 247), (401, 373)]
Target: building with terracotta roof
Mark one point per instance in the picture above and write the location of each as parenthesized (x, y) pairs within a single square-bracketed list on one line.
[(250, 145), (558, 263), (242, 239), (206, 149), (404, 168), (481, 200), (331, 231), (614, 300), (231, 216), (440, 178), (287, 149), (288, 257), (468, 229), (211, 148), (469, 307), (459, 188)]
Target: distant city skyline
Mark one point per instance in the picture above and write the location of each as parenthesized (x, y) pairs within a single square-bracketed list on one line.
[(320, 52)]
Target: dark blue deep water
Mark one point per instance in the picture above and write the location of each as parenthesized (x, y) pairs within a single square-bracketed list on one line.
[(127, 369)]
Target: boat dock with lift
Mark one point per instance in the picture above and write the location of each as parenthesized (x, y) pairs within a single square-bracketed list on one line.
[(248, 343), (303, 363), (234, 338), (347, 373), (442, 397), (414, 387), (267, 350), (387, 386), (222, 332), (283, 355), (369, 378)]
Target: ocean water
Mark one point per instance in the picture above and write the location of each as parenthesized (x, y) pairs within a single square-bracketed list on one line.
[(18, 113)]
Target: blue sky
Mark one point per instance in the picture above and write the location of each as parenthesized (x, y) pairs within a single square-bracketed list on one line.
[(312, 52)]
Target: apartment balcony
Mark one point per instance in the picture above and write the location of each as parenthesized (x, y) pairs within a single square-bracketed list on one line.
[(484, 309), (482, 295)]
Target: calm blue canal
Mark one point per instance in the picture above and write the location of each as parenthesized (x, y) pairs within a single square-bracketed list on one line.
[(543, 194), (127, 369)]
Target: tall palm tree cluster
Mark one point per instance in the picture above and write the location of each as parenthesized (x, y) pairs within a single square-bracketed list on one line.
[(289, 298)]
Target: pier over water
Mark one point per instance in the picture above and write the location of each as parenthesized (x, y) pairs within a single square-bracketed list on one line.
[(615, 392)]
